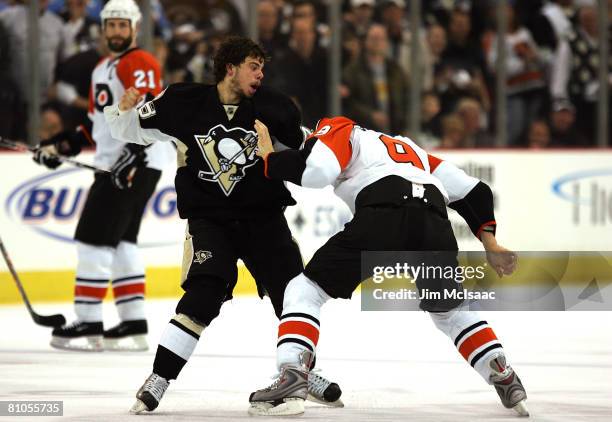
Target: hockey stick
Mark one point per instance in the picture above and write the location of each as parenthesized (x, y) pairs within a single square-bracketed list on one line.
[(18, 146), (45, 320)]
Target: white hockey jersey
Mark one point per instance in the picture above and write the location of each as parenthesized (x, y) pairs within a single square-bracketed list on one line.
[(111, 77), (349, 157)]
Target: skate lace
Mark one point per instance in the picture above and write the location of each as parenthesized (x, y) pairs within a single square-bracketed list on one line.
[(156, 385), (317, 384), (277, 378)]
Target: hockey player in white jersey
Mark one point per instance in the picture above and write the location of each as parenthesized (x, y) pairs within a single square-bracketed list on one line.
[(108, 227), (398, 194)]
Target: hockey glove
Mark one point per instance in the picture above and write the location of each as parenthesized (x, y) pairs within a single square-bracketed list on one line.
[(64, 143), (132, 158)]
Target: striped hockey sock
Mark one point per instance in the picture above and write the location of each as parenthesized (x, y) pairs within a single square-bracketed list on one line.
[(176, 346), (296, 332), (474, 338), (129, 297), (128, 282), (299, 325), (92, 275)]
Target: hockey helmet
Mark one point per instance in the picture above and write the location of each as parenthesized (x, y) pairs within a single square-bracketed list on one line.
[(121, 9)]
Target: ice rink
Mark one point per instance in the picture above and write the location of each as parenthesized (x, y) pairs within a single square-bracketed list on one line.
[(392, 366)]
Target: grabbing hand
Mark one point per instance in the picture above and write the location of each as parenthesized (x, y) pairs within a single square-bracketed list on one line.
[(130, 98), (264, 142)]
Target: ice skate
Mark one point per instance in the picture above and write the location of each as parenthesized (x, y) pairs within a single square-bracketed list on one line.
[(323, 391), (287, 393), (128, 336), (78, 336), (508, 385), (150, 394)]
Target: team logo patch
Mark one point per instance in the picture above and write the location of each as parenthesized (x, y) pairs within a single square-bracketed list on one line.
[(228, 154), (201, 256), (147, 110)]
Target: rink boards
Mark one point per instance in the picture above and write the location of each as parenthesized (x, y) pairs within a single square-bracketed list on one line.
[(553, 200)]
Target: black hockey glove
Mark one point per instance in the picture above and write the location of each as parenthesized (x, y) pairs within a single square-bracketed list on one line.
[(64, 143), (123, 171)]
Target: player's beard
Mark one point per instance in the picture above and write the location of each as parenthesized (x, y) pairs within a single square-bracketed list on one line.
[(236, 88), (119, 47)]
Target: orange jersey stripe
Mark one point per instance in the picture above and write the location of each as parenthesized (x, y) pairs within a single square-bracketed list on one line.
[(87, 291), (475, 341), (488, 223), (434, 162), (335, 133), (130, 289), (300, 328)]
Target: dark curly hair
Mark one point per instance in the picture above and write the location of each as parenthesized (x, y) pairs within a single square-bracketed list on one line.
[(234, 50)]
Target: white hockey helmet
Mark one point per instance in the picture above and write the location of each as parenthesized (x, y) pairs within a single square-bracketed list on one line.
[(121, 9)]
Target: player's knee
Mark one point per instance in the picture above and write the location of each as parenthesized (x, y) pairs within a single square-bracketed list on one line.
[(202, 300), (303, 292)]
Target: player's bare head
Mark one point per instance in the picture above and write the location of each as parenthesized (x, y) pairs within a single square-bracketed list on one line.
[(120, 20), (240, 62)]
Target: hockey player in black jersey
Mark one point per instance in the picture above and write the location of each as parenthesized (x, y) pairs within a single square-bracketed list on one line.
[(233, 211)]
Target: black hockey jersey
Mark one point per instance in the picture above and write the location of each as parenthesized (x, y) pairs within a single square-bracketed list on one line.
[(218, 172)]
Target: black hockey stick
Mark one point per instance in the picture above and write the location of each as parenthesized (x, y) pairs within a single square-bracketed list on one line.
[(46, 320), (18, 146)]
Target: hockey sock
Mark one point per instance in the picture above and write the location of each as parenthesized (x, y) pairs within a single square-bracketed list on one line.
[(472, 336), (92, 275), (176, 346), (128, 282), (298, 329)]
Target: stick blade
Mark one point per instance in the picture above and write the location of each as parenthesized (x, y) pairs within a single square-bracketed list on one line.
[(56, 320)]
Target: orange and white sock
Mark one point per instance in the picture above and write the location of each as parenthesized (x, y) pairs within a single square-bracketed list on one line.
[(128, 282), (299, 325), (474, 338), (92, 275)]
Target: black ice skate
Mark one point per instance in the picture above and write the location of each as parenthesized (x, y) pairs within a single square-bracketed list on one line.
[(508, 385), (150, 394), (79, 336), (128, 336), (323, 391)]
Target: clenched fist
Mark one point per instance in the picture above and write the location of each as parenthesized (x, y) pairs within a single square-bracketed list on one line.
[(130, 98)]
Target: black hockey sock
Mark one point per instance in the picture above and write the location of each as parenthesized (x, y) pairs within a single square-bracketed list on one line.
[(167, 364), (176, 345)]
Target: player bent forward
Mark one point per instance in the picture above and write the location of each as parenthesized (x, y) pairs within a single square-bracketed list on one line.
[(398, 194)]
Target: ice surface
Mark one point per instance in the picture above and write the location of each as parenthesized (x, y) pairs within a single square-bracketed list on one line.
[(392, 366)]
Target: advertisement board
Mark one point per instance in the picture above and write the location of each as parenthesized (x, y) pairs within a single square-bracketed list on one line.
[(544, 201)]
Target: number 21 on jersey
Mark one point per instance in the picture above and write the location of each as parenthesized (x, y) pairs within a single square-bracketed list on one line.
[(144, 79), (401, 152)]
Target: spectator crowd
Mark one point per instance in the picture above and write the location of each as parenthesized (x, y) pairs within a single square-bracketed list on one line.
[(551, 67)]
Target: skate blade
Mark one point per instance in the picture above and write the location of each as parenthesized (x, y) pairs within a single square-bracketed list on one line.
[(521, 408), (291, 406), (138, 407), (127, 344), (337, 403), (90, 344)]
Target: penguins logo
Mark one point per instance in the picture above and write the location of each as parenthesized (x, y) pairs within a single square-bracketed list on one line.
[(201, 256), (228, 154)]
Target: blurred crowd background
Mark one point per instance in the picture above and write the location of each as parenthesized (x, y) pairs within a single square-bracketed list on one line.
[(551, 68)]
